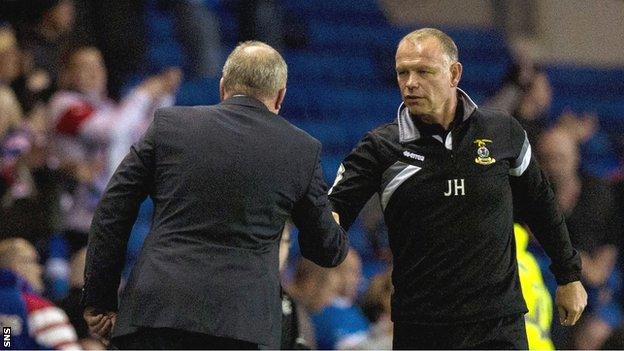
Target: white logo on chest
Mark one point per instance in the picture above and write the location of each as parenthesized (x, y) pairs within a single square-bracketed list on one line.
[(455, 188), (413, 155)]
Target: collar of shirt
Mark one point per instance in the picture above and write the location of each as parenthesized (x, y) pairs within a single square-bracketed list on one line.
[(245, 100), (411, 129)]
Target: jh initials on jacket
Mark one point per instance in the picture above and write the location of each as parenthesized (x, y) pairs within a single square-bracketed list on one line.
[(455, 187)]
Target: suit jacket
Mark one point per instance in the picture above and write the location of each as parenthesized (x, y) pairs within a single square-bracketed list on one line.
[(223, 179)]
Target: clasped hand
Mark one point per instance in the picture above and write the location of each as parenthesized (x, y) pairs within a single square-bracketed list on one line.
[(571, 300), (100, 323)]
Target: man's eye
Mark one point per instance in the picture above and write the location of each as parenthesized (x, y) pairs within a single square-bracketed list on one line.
[(401, 73), (424, 71)]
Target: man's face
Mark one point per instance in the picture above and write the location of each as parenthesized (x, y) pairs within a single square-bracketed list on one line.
[(541, 93), (63, 15), (9, 56), (87, 72), (350, 272), (558, 155), (26, 264), (426, 76)]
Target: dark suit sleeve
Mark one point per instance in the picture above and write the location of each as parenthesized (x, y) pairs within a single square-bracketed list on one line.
[(535, 204), (113, 221), (321, 239)]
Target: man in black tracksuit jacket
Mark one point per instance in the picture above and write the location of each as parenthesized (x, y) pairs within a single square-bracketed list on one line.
[(450, 176)]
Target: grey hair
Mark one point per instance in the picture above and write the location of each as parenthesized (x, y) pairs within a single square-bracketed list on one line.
[(448, 45), (255, 69)]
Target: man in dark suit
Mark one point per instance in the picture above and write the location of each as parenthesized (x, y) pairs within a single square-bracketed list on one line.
[(223, 179)]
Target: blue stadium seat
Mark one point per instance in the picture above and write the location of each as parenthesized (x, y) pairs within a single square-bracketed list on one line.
[(352, 38), (484, 74), (163, 55), (583, 81), (332, 68), (347, 11), (204, 91)]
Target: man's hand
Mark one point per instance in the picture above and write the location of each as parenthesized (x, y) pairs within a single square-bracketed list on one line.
[(100, 323), (162, 84), (571, 300)]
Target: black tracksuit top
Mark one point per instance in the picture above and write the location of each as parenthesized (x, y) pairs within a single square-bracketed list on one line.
[(449, 202)]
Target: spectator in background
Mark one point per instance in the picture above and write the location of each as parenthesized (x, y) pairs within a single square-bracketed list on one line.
[(30, 187), (313, 286), (71, 304), (534, 105), (376, 305), (197, 28), (28, 180), (9, 56), (375, 229), (297, 330), (42, 324), (10, 110), (341, 324), (93, 133), (260, 20), (117, 28), (44, 29), (588, 204), (519, 76), (17, 72), (527, 94)]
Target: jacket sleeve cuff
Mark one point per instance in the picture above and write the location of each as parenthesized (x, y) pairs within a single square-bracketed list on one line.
[(565, 278), (568, 271), (101, 301)]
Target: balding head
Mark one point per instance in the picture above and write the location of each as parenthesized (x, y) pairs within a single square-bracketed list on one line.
[(446, 43), (19, 256), (254, 69)]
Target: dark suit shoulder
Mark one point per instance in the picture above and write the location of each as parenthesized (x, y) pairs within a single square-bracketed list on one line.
[(177, 112), (299, 133)]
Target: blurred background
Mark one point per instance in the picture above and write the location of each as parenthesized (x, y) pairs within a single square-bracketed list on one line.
[(80, 79)]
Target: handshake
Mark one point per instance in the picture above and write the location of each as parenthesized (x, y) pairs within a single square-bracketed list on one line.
[(100, 323)]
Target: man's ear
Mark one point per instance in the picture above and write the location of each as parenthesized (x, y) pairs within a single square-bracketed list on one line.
[(221, 90), (456, 72), (281, 94)]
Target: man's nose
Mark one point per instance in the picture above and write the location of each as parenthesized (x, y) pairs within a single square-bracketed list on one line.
[(412, 81)]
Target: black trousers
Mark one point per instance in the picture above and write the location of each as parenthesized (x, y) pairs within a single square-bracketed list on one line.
[(506, 333), (174, 339)]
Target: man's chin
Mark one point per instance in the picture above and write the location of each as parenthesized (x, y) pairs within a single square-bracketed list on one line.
[(416, 110)]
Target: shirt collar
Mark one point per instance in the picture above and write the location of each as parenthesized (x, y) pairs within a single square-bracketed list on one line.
[(245, 100), (408, 131)]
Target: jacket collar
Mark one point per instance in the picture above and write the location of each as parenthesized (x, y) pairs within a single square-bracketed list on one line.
[(407, 129), (244, 100)]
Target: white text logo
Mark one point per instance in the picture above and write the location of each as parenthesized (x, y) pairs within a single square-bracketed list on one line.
[(413, 155), (455, 187)]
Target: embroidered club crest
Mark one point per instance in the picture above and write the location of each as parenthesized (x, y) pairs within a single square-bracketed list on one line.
[(483, 154)]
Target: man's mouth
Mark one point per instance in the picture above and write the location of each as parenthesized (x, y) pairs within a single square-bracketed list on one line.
[(413, 98)]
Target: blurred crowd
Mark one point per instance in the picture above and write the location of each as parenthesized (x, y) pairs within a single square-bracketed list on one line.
[(68, 116)]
